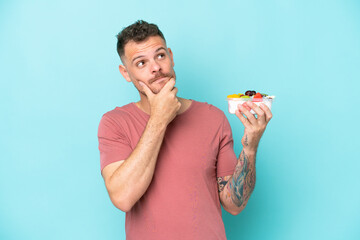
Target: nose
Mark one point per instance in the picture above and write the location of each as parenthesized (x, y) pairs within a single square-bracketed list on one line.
[(155, 66)]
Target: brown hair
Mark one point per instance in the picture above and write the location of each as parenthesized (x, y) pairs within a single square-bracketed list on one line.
[(137, 32)]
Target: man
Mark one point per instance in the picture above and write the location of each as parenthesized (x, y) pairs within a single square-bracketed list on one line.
[(168, 162)]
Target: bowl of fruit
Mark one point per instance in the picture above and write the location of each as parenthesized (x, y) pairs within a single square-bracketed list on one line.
[(237, 99)]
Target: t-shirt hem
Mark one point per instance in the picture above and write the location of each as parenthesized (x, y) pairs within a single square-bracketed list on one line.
[(226, 173)]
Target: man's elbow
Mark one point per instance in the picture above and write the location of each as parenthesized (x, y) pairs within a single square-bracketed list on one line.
[(121, 206), (124, 206), (234, 213), (120, 199), (237, 210)]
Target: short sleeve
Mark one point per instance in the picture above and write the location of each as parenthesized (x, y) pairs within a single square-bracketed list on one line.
[(113, 144), (226, 160)]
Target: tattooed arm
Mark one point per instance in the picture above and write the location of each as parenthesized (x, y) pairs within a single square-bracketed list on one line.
[(235, 190)]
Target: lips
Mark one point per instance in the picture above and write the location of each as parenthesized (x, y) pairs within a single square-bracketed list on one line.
[(159, 80)]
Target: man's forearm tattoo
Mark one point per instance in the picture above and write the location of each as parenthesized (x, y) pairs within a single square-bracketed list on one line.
[(246, 141), (243, 180), (222, 181), (242, 183)]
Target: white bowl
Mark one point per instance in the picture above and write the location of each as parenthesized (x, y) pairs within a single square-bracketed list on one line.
[(234, 102)]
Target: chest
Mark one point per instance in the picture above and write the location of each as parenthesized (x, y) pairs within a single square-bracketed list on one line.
[(191, 147)]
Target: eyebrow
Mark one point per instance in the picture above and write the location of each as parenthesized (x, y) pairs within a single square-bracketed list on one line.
[(160, 48)]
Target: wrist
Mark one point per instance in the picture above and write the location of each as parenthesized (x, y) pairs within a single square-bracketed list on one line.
[(250, 151), (157, 123)]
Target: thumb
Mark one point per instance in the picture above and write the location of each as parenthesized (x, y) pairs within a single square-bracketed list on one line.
[(146, 89)]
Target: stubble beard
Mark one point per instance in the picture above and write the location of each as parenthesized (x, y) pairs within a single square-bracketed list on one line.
[(156, 91)]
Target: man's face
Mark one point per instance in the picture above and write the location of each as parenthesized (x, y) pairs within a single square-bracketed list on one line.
[(150, 62)]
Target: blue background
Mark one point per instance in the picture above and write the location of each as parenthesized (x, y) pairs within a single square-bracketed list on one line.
[(59, 74)]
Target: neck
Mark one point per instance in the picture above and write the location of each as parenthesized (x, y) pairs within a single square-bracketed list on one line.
[(144, 104)]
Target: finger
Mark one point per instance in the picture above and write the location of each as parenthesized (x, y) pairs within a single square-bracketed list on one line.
[(174, 90), (146, 89), (246, 106), (251, 118), (169, 85), (259, 112), (268, 114), (243, 119)]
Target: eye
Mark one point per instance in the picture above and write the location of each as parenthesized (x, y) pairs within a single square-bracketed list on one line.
[(161, 55), (140, 63)]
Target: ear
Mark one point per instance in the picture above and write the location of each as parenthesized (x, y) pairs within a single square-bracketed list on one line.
[(171, 56), (124, 72)]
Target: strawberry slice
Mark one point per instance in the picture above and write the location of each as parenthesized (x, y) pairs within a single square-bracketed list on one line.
[(257, 97)]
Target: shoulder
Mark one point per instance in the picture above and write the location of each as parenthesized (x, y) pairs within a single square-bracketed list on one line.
[(119, 113), (117, 116), (210, 117), (210, 110)]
